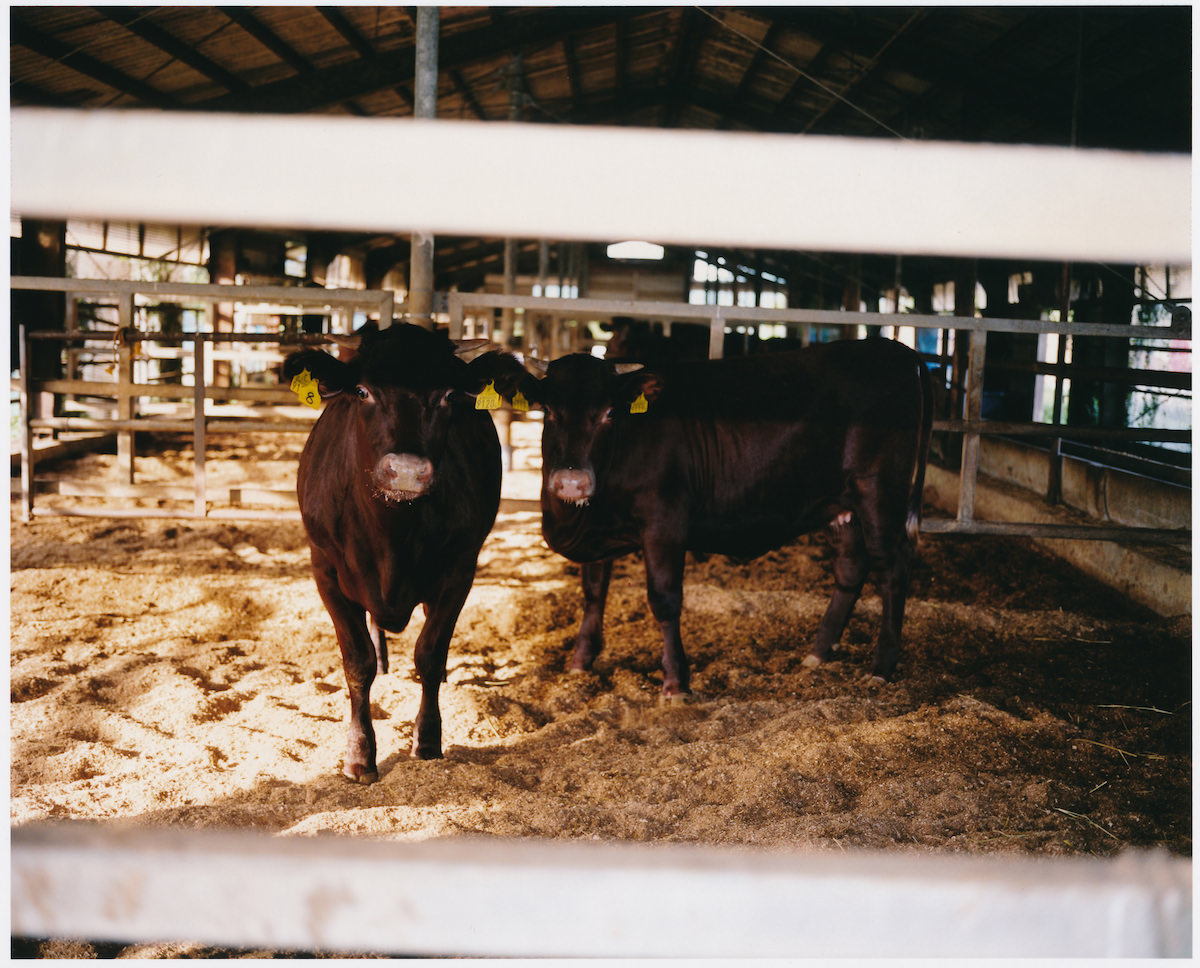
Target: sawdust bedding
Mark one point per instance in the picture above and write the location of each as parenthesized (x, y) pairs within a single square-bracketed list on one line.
[(172, 673)]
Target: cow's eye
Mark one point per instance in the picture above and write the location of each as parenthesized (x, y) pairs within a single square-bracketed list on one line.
[(445, 399), (607, 416), (363, 393)]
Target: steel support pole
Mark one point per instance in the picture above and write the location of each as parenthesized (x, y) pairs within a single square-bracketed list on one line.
[(420, 270), (199, 433), (26, 428), (126, 440), (970, 446)]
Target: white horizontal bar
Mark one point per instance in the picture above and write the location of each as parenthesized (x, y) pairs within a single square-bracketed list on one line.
[(594, 183), (459, 302), (539, 898), (261, 298)]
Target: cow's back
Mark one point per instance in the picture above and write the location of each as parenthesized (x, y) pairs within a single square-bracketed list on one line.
[(758, 450)]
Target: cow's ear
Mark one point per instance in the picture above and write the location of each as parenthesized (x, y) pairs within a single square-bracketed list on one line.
[(645, 383), (333, 375), (500, 369)]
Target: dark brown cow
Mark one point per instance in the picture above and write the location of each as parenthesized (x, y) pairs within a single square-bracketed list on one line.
[(399, 484), (737, 457)]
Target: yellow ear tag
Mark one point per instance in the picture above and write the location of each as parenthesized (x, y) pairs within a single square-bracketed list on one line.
[(305, 387), (519, 402), (488, 398), (640, 405)]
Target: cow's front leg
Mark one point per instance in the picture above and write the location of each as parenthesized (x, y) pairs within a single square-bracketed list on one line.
[(433, 646), (596, 576), (664, 589), (359, 663)]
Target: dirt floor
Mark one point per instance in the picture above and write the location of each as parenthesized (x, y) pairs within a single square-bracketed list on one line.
[(184, 673)]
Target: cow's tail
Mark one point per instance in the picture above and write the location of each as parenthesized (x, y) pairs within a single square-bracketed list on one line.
[(922, 456)]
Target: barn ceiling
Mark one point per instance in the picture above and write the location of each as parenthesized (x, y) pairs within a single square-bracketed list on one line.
[(1105, 76)]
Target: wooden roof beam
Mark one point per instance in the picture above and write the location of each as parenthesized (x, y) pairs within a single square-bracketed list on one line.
[(574, 84), (863, 72), (315, 89), (693, 28), (621, 54), (761, 53), (55, 50), (268, 38), (135, 20), (337, 20), (465, 92)]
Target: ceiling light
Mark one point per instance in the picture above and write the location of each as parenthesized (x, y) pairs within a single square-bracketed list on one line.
[(636, 250)]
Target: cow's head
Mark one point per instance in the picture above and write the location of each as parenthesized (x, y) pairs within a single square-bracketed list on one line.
[(585, 400), (404, 385)]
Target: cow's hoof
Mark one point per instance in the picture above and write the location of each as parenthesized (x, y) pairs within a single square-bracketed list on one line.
[(677, 698), (426, 753), (811, 661), (873, 679), (360, 774)]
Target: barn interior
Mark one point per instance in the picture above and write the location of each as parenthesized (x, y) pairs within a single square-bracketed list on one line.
[(1111, 77)]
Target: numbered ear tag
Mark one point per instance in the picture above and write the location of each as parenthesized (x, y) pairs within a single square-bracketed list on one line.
[(305, 387), (488, 398), (519, 402), (640, 405)]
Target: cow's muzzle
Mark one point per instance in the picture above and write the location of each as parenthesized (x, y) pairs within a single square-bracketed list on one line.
[(403, 477), (572, 485)]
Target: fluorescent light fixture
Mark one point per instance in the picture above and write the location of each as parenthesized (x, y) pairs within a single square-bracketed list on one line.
[(636, 250)]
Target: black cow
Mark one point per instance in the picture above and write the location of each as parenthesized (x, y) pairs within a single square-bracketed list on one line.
[(737, 457), (640, 341), (399, 484)]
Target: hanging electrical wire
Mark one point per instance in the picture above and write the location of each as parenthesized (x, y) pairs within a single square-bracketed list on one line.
[(808, 77)]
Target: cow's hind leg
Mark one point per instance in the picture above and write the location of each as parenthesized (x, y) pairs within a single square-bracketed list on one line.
[(433, 646), (850, 569), (891, 548), (664, 587), (893, 593), (590, 640)]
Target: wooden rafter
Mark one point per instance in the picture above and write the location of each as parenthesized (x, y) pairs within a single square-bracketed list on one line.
[(337, 20), (268, 38), (136, 21), (574, 83), (465, 92), (320, 88), (82, 63)]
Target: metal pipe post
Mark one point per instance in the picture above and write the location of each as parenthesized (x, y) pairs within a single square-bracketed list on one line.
[(26, 428), (970, 446), (199, 439), (420, 267)]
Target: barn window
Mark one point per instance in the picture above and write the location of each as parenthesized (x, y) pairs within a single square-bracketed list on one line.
[(1015, 282), (724, 281), (640, 251)]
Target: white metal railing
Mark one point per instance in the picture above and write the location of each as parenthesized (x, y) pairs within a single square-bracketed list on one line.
[(972, 426), (125, 391), (536, 898), (605, 183)]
